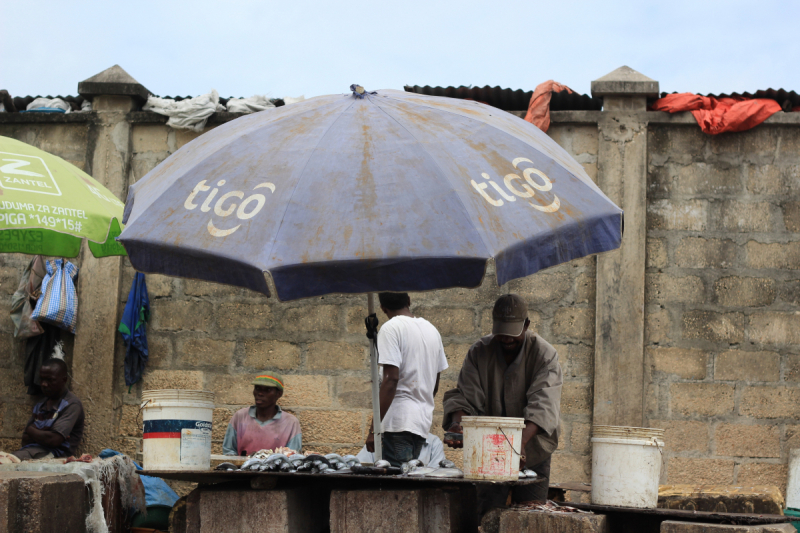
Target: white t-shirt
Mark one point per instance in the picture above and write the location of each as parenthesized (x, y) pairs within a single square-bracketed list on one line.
[(415, 347)]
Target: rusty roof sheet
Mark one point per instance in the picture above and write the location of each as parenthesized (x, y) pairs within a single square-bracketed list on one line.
[(510, 99)]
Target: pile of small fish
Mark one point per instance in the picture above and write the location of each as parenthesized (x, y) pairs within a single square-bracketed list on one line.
[(312, 463), (549, 506), (415, 468)]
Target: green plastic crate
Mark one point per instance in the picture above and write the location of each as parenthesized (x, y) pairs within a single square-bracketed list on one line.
[(794, 513)]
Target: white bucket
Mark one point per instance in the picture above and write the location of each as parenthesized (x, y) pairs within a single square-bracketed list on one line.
[(492, 447), (626, 466), (177, 429)]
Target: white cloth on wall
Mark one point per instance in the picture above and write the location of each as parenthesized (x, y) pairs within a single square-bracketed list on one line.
[(253, 104), (189, 114), (49, 103)]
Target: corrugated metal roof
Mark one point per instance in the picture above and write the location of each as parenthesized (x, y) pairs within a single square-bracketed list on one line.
[(510, 99), (787, 99), (21, 102)]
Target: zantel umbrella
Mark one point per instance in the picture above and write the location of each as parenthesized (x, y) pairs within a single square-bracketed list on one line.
[(47, 205), (347, 194)]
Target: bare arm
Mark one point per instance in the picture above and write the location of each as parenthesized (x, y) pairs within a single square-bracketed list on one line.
[(45, 437), (391, 376), (436, 387)]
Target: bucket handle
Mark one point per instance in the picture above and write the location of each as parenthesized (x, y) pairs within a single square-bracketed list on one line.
[(658, 447), (509, 442), (139, 414)]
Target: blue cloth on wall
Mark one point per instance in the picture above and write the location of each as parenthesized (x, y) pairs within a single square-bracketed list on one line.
[(134, 330)]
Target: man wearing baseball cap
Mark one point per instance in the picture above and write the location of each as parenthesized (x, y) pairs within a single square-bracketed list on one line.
[(263, 426), (512, 372)]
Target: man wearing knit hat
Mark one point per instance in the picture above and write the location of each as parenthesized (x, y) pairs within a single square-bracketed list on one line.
[(512, 372), (263, 426)]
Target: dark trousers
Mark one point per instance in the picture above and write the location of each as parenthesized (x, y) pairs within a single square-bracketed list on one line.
[(489, 496), (32, 452), (399, 448)]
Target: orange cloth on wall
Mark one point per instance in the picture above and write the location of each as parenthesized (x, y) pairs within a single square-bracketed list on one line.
[(719, 115), (539, 107)]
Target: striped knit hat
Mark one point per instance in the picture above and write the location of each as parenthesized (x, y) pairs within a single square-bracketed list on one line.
[(269, 379)]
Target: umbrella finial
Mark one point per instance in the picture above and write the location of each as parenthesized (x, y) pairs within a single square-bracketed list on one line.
[(359, 91)]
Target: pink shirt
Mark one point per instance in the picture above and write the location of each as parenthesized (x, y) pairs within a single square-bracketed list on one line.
[(251, 436)]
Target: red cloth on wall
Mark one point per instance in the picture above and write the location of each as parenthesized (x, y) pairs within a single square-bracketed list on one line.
[(719, 115), (539, 107)]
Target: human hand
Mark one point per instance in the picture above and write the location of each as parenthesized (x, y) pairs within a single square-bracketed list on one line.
[(522, 461), (371, 442), (451, 437)]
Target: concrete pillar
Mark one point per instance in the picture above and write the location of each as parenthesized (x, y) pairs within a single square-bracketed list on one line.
[(622, 175), (395, 511), (115, 93)]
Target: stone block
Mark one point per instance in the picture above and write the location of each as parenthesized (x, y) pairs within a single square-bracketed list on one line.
[(738, 365), (183, 137), (577, 358), (395, 511), (705, 178), (219, 422), (311, 318), (460, 296), (298, 510), (657, 324), (714, 327), (260, 354), (130, 424), (686, 215), (793, 367), (455, 353), (449, 322), (158, 286), (15, 418), (160, 350), (792, 437), (306, 391), (773, 255), (326, 355), (541, 287), (773, 180), (656, 250), (193, 287), (354, 320), (205, 352), (745, 217), (576, 398), (764, 474), (683, 435), (682, 362), (522, 521), (233, 389), (585, 288), (149, 138), (774, 328), (172, 379), (770, 402), (570, 468), (735, 291), (236, 316), (47, 502), (354, 392), (664, 288), (791, 216), (700, 471), (739, 440), (789, 292), (444, 386), (698, 252), (191, 315), (701, 399), (344, 427), (574, 323), (580, 438)]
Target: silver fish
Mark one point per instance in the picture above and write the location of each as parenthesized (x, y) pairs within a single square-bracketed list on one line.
[(277, 457), (530, 473), (446, 463), (287, 467), (250, 462), (383, 463), (296, 457), (334, 457), (421, 471), (447, 473), (351, 458)]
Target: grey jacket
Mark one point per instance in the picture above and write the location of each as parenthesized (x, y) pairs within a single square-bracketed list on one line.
[(530, 386)]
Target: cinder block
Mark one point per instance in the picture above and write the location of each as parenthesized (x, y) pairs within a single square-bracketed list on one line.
[(341, 427), (721, 498), (774, 328), (747, 366), (714, 327), (683, 362), (205, 352), (700, 471), (704, 399), (770, 402), (42, 502), (576, 398), (311, 318), (244, 316), (669, 526), (735, 291), (574, 323), (395, 511), (745, 217), (181, 315), (261, 354), (520, 521), (305, 391), (656, 250), (272, 511), (688, 215), (697, 252), (764, 474), (324, 355), (173, 379), (662, 288), (683, 435), (773, 255), (739, 440), (449, 322), (542, 287)]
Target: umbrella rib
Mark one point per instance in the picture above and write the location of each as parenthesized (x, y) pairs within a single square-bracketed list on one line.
[(441, 171), (302, 172)]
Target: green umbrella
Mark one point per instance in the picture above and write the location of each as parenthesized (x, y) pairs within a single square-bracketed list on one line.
[(47, 206)]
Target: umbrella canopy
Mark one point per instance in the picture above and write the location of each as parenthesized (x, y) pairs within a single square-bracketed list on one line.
[(47, 206), (342, 194)]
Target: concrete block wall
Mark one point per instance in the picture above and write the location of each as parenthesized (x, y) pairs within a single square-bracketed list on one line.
[(721, 292)]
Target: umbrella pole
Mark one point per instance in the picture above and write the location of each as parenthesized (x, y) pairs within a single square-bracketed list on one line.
[(376, 403)]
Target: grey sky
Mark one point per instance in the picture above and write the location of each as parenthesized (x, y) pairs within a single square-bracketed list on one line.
[(241, 47)]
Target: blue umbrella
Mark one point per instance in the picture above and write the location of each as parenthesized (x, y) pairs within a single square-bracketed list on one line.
[(363, 193), (385, 191)]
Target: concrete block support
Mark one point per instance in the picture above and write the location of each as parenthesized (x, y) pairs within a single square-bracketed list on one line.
[(516, 521), (395, 511), (694, 527), (39, 502), (622, 175)]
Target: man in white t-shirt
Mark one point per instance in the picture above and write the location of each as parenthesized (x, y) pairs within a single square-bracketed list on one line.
[(432, 452), (411, 352)]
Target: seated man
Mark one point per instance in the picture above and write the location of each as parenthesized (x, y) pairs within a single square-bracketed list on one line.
[(56, 427), (263, 426), (432, 452)]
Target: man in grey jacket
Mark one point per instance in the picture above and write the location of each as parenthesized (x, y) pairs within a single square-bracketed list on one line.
[(512, 372)]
